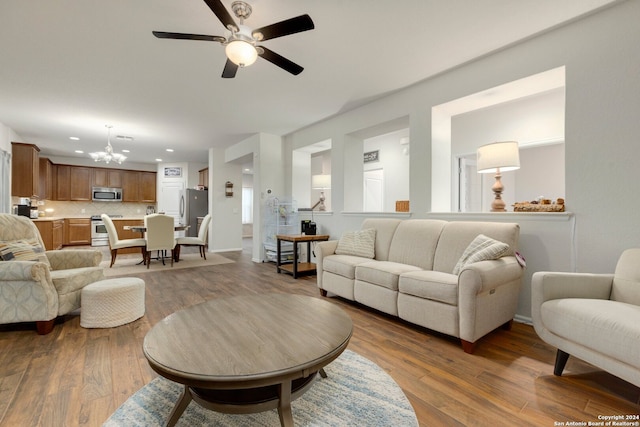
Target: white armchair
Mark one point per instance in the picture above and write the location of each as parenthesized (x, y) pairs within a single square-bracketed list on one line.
[(594, 317), (38, 286)]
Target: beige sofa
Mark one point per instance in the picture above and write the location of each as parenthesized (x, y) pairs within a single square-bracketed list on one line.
[(39, 291), (595, 317), (411, 275)]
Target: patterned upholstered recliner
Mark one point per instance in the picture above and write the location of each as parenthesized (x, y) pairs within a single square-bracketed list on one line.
[(39, 291)]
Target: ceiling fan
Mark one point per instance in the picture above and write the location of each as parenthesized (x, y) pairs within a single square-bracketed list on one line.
[(241, 46)]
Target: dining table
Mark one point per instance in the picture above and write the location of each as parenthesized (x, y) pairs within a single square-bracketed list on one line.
[(142, 229)]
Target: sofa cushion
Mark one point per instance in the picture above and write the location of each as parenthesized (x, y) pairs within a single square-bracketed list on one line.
[(385, 230), (626, 281), (74, 279), (415, 242), (342, 265), (456, 236), (23, 250), (358, 243), (432, 285), (608, 327), (482, 248), (383, 273)]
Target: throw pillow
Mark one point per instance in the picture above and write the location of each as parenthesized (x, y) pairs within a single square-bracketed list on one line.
[(480, 249), (358, 243), (23, 250)]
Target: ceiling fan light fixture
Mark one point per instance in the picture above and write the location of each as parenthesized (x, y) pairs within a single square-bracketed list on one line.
[(241, 53)]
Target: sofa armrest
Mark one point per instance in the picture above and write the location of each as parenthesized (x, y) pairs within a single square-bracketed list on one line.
[(321, 250), (74, 258), (486, 275), (547, 285)]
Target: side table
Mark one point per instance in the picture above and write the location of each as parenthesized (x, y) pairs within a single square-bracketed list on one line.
[(298, 267)]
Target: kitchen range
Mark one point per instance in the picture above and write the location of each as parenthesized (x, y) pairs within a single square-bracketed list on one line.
[(99, 235)]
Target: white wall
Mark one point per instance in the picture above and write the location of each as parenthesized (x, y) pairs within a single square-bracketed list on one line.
[(602, 57), (7, 136)]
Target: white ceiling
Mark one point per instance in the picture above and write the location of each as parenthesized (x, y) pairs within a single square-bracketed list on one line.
[(68, 67)]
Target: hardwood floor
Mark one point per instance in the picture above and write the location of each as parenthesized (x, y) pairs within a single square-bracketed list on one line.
[(78, 377)]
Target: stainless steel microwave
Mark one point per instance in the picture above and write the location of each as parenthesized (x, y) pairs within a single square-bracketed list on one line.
[(103, 194)]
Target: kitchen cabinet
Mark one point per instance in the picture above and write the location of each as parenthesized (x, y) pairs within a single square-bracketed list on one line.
[(203, 177), (130, 184), (25, 169), (77, 231), (73, 183), (138, 186), (45, 179), (110, 178), (51, 232), (147, 189), (63, 180), (80, 184), (120, 225)]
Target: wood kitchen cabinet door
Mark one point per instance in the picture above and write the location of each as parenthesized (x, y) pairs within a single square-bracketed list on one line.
[(25, 170), (147, 189), (63, 178), (80, 183), (110, 178), (130, 185), (77, 231)]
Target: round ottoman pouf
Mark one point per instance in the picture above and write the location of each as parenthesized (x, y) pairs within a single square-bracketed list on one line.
[(112, 302)]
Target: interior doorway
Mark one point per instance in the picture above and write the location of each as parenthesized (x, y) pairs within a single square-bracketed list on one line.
[(373, 190)]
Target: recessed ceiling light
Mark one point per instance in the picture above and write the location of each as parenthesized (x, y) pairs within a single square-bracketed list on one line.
[(126, 151), (158, 160), (170, 150), (75, 138), (79, 151)]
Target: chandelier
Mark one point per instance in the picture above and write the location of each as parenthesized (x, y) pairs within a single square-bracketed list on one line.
[(108, 155)]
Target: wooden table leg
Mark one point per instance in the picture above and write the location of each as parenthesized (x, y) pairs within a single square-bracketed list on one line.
[(181, 405), (284, 407)]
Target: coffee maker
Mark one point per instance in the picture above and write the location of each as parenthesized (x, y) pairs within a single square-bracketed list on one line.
[(24, 207)]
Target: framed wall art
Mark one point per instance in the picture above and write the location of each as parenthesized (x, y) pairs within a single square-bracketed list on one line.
[(172, 172)]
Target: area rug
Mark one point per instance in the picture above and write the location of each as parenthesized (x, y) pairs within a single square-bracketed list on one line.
[(128, 263), (356, 392)]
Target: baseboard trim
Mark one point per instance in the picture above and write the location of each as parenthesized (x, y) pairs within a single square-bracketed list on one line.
[(523, 319)]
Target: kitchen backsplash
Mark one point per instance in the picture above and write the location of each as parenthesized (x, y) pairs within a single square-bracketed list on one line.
[(87, 209)]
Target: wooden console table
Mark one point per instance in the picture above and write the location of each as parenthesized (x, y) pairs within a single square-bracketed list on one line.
[(298, 267)]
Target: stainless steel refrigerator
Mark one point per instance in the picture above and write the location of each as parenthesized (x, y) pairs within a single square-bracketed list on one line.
[(193, 204)]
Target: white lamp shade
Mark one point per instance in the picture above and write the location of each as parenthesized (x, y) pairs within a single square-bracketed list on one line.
[(241, 53), (498, 155), (322, 182)]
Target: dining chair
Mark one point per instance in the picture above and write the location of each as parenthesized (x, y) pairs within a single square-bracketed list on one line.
[(160, 236), (116, 243), (201, 240)]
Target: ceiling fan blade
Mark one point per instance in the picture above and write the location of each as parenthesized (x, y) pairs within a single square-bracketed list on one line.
[(221, 12), (184, 36), (280, 61), (230, 70), (284, 28)]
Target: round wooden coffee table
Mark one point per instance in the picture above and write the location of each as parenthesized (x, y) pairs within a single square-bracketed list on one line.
[(247, 354)]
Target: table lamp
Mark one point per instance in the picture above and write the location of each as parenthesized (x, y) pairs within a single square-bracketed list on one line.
[(496, 158), (320, 182)]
